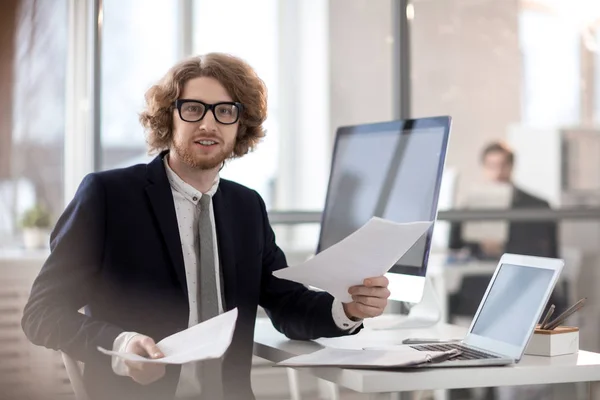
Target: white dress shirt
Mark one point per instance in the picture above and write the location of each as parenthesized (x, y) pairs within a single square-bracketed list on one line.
[(186, 200)]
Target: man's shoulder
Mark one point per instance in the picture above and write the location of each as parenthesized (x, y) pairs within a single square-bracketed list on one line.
[(232, 188), (526, 199), (244, 198), (135, 174)]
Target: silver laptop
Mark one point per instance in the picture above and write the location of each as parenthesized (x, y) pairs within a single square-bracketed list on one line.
[(507, 315)]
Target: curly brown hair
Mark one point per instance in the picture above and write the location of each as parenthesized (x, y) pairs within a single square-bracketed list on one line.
[(239, 79)]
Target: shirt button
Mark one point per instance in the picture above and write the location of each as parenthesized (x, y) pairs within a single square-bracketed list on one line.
[(195, 198)]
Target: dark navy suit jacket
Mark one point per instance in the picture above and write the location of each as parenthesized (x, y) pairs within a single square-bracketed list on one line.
[(116, 251)]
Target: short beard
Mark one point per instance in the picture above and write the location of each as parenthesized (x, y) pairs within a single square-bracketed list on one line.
[(203, 163)]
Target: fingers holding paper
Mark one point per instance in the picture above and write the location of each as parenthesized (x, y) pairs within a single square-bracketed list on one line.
[(144, 373), (207, 340), (368, 252), (369, 299)]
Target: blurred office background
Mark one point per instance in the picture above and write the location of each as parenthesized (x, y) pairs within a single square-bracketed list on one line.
[(526, 72)]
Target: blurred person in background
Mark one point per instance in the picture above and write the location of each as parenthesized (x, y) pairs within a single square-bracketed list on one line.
[(531, 238), (153, 249)]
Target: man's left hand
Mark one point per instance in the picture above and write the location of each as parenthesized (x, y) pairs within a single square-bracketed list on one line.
[(369, 299)]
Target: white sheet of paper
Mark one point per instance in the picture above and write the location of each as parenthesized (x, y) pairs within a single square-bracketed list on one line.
[(487, 196), (331, 357), (368, 252), (207, 340)]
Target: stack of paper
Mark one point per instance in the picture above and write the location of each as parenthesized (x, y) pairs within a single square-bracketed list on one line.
[(351, 358), (495, 196), (207, 340), (369, 252)]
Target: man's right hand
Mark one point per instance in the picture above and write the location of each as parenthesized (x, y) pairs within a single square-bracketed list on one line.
[(144, 373)]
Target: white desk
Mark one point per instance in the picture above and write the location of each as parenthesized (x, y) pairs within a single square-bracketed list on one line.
[(582, 367)]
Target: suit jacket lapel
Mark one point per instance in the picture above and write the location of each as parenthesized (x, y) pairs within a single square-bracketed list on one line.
[(161, 198), (225, 241)]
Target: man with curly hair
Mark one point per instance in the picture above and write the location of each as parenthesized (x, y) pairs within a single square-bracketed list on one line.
[(153, 249)]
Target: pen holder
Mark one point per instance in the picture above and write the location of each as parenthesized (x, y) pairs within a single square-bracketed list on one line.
[(559, 341)]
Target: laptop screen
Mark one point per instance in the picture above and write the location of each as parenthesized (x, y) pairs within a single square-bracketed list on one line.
[(512, 303)]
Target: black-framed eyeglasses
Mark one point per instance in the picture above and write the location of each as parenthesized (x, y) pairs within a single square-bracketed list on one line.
[(225, 112)]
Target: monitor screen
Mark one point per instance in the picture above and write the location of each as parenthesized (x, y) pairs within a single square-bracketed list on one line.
[(512, 303), (389, 170)]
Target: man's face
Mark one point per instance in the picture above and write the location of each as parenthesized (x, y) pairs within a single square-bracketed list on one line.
[(207, 143), (497, 167)]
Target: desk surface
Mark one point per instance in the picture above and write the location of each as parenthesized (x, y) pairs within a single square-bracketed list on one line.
[(273, 346)]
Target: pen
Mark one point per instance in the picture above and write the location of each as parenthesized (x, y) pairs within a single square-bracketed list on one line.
[(547, 317), (571, 310), (428, 341), (445, 356)]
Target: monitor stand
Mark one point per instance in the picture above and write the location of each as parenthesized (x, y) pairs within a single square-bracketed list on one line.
[(424, 314)]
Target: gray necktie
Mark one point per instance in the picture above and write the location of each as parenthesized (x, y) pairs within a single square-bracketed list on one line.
[(207, 290), (208, 299)]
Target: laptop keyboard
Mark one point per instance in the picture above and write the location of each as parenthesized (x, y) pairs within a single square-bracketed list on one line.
[(466, 353)]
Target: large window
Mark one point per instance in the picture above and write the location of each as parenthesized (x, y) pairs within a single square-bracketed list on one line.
[(33, 115), (247, 29), (139, 45), (33, 61), (550, 48)]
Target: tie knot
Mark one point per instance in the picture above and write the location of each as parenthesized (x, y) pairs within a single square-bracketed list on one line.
[(205, 200)]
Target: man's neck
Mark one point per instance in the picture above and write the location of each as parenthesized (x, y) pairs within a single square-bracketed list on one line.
[(201, 180)]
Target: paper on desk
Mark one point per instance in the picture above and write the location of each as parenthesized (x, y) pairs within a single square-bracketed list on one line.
[(207, 340), (352, 358), (368, 252)]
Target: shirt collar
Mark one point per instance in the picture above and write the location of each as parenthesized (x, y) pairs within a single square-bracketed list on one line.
[(184, 188)]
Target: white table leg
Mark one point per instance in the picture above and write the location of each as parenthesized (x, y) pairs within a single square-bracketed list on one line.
[(392, 396), (328, 390), (382, 396), (440, 394), (595, 390), (581, 390), (294, 384)]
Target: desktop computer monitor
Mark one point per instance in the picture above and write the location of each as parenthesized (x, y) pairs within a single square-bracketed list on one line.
[(391, 170)]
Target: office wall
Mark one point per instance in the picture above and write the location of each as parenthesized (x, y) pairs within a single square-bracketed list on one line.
[(466, 63), (303, 104), (361, 49)]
